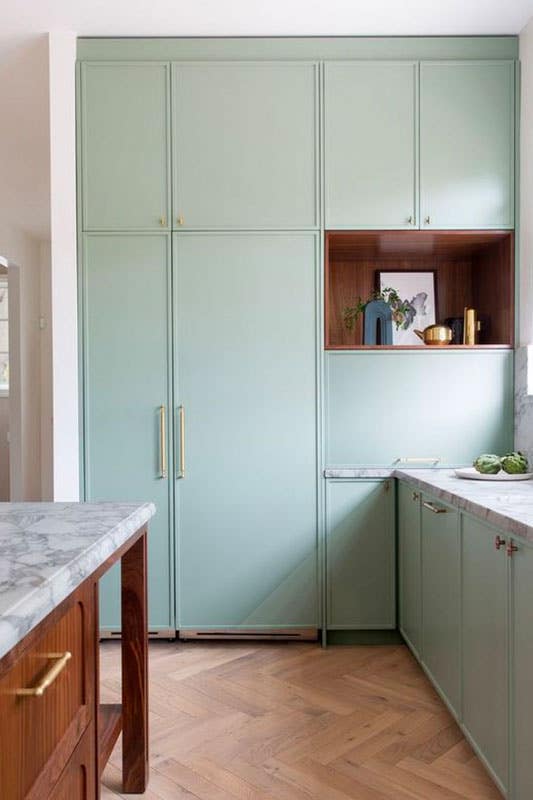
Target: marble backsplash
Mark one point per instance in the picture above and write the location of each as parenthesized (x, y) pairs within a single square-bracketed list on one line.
[(523, 405)]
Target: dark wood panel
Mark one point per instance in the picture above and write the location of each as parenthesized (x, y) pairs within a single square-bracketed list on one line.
[(79, 780), (471, 269), (109, 728)]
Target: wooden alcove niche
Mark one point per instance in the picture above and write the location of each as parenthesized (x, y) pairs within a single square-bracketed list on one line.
[(472, 268)]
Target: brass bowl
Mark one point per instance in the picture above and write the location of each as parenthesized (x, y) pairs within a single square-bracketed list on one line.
[(436, 335)]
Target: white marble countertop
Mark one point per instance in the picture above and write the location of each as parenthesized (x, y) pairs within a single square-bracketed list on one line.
[(47, 550), (507, 505)]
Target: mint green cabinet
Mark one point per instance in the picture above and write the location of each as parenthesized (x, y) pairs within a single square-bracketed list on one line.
[(485, 626), (370, 151), (522, 671), (381, 405), (360, 554), (245, 145), (245, 374), (125, 145), (467, 123), (441, 607), (126, 338), (409, 566)]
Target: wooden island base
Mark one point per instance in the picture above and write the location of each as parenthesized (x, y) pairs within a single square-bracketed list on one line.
[(56, 737)]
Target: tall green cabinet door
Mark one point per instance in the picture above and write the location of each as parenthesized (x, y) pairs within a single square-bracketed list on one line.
[(441, 607), (485, 624), (522, 671), (360, 554), (126, 340), (245, 381), (409, 566), (371, 144), (467, 144), (125, 145), (245, 145)]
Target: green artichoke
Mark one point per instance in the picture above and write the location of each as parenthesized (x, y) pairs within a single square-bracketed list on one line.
[(514, 463), (488, 464)]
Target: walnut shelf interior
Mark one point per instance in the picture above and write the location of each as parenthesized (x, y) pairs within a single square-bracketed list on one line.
[(472, 268)]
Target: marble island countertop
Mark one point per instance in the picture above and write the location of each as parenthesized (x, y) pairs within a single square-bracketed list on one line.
[(47, 550), (507, 505)]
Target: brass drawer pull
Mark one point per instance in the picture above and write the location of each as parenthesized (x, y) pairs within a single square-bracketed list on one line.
[(60, 664), (416, 496), (163, 472), (181, 470), (414, 460), (435, 509)]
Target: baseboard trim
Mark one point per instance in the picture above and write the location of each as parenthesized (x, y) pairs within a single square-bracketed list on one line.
[(260, 634), (367, 637)]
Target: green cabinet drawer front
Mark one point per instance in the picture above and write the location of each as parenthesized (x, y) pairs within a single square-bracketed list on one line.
[(246, 371), (370, 144), (126, 350), (522, 672), (382, 406), (485, 644), (441, 608), (245, 145), (125, 145), (360, 554), (409, 565), (467, 144)]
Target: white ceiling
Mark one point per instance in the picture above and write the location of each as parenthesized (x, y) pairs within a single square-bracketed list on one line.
[(264, 17)]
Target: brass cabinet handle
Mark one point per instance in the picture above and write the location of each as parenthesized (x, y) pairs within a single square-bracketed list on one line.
[(181, 221), (415, 460), (163, 221), (427, 220), (411, 220), (163, 471), (181, 471), (499, 542), (416, 496), (435, 509), (511, 549), (60, 664)]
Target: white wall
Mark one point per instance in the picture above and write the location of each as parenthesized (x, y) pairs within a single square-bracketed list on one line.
[(62, 60), (524, 402)]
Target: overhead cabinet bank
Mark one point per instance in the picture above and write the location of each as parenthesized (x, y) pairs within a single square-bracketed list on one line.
[(208, 175)]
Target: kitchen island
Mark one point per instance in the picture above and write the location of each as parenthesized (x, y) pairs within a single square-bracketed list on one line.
[(55, 736)]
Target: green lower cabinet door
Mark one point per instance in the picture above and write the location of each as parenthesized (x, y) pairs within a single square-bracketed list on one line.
[(485, 644), (441, 608), (245, 381), (360, 554), (126, 364), (409, 565), (522, 672)]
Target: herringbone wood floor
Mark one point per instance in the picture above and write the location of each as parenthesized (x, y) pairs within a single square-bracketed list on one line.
[(292, 722)]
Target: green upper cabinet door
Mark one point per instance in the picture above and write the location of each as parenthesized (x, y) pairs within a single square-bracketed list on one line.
[(409, 565), (360, 555), (125, 146), (246, 378), (371, 144), (485, 623), (126, 368), (245, 145), (441, 605), (467, 144)]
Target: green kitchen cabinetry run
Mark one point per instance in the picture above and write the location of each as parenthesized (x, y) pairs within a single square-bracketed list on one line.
[(409, 565), (441, 606), (125, 146), (127, 338), (467, 121), (521, 670), (383, 406), (245, 377), (360, 554), (245, 145), (484, 647), (370, 113)]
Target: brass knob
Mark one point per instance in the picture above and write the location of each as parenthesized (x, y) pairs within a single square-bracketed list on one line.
[(181, 221), (427, 220), (499, 542), (163, 221)]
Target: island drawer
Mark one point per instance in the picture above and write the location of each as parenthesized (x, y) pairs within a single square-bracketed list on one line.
[(47, 700)]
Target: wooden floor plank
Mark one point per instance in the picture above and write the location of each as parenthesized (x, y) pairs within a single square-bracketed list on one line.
[(261, 721)]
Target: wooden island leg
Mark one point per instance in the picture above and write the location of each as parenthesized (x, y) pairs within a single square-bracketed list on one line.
[(134, 669)]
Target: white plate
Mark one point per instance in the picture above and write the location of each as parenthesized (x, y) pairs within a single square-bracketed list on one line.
[(472, 474)]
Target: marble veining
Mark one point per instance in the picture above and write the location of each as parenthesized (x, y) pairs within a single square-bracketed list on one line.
[(48, 549)]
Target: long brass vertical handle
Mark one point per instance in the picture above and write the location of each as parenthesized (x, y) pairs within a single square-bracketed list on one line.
[(163, 471), (181, 471)]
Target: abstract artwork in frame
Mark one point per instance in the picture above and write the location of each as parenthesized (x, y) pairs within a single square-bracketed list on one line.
[(418, 288)]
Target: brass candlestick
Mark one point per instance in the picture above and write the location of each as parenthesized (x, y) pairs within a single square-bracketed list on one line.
[(472, 326)]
